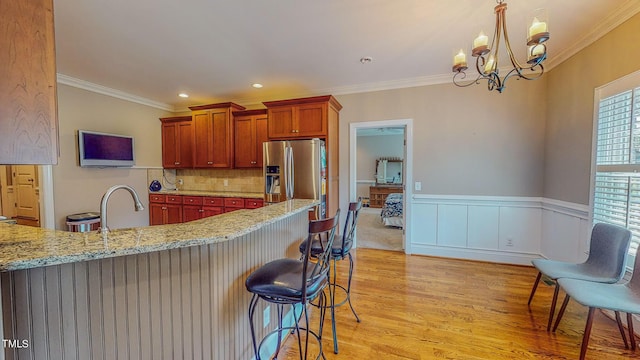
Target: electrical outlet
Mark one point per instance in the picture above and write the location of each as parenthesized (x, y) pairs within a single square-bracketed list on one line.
[(225, 182), (266, 316), (509, 242), (418, 186)]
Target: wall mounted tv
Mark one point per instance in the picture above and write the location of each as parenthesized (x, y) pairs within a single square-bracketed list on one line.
[(96, 149)]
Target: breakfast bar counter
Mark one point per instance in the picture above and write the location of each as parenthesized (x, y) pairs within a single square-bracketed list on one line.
[(156, 292)]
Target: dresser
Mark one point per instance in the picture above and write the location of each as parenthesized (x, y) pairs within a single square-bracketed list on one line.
[(378, 194)]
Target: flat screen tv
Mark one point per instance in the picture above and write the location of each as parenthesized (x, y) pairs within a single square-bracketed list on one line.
[(96, 149)]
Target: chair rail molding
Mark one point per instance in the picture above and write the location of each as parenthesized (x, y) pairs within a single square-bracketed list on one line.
[(507, 229)]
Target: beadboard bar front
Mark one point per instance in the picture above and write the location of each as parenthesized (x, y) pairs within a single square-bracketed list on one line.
[(184, 303)]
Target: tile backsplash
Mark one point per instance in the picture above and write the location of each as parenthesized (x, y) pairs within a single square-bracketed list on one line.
[(237, 180)]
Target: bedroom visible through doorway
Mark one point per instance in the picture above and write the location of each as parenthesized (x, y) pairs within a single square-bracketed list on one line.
[(379, 174)]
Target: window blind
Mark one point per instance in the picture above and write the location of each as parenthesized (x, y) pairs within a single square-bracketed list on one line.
[(616, 196)]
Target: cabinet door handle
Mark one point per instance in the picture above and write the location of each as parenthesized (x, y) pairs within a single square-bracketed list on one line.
[(164, 208), (176, 163), (201, 210), (209, 162)]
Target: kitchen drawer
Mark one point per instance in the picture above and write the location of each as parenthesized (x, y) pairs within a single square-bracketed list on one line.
[(192, 200), (237, 203), (213, 201), (157, 198), (253, 203), (174, 199), (212, 211)]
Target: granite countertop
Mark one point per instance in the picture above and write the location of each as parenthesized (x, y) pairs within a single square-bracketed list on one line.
[(251, 195), (25, 247)]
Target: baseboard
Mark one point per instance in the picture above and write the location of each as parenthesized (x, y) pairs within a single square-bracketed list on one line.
[(503, 257)]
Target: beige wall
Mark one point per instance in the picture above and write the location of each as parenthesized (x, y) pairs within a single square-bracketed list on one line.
[(371, 148), (466, 141), (569, 100), (79, 189)]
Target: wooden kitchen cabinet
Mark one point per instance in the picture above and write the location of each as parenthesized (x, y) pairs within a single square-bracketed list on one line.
[(250, 128), (177, 142), (165, 209), (198, 207), (298, 118), (233, 204), (28, 105), (213, 134), (306, 118), (253, 203)]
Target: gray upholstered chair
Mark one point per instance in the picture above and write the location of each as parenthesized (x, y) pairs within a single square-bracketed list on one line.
[(605, 264), (616, 297)]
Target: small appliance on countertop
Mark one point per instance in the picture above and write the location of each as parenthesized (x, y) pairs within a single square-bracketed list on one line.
[(155, 186)]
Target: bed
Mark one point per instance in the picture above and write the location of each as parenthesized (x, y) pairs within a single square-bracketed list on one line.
[(391, 213)]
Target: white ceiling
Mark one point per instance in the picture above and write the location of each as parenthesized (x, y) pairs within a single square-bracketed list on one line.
[(214, 50)]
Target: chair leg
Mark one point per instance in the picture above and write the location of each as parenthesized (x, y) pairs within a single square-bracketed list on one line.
[(535, 286), (632, 335), (306, 338), (297, 327), (561, 312), (553, 306), (349, 287), (332, 299), (587, 333), (621, 328), (323, 311), (280, 311), (252, 308)]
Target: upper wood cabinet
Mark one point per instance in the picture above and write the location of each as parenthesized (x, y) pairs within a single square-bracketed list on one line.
[(177, 142), (28, 106), (305, 118), (213, 134), (300, 118), (250, 128)]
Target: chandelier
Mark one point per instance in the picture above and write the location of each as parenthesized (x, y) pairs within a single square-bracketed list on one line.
[(487, 57)]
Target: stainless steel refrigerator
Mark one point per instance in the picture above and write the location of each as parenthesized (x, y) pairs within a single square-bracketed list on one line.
[(296, 169)]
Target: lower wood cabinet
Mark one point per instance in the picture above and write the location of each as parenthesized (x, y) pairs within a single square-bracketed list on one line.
[(174, 209), (253, 203), (165, 209), (198, 207), (233, 204)]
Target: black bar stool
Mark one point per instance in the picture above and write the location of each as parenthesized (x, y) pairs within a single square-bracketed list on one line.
[(292, 282), (340, 250)]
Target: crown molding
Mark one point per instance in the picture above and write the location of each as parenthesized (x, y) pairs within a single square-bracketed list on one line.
[(623, 13), (388, 85), (85, 85)]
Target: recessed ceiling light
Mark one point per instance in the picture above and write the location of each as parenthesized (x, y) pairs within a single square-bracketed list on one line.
[(366, 59), (257, 86), (183, 95)]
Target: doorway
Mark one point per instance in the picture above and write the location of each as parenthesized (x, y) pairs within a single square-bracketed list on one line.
[(20, 194), (367, 173)]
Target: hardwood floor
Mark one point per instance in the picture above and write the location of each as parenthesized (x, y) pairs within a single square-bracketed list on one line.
[(418, 307)]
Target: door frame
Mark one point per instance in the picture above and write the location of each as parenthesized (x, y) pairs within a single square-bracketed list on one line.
[(47, 217), (408, 170)]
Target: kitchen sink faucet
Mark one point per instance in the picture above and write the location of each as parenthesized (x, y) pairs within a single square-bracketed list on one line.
[(105, 198)]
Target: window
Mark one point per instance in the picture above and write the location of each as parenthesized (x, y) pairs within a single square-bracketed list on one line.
[(616, 188)]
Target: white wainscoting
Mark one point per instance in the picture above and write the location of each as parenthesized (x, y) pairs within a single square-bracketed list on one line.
[(499, 229)]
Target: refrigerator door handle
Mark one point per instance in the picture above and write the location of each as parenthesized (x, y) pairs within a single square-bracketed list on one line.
[(288, 170)]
